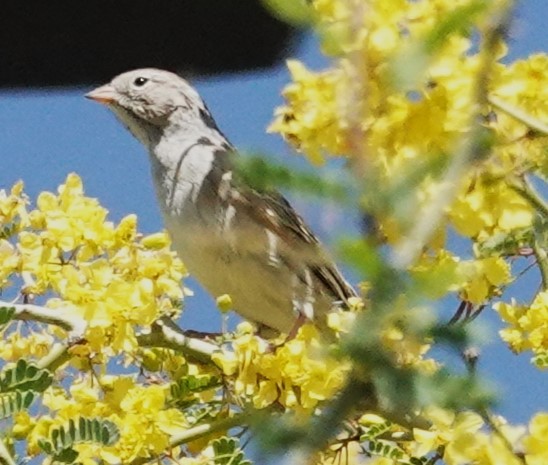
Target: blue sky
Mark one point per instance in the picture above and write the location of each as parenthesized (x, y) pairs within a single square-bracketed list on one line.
[(46, 134)]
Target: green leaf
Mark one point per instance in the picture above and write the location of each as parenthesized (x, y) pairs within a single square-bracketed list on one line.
[(66, 456), (6, 314), (386, 449), (227, 452), (16, 401), (191, 384), (62, 439), (45, 446), (265, 176), (372, 431), (25, 377), (363, 256)]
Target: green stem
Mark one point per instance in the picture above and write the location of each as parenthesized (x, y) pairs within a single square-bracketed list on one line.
[(55, 358), (5, 456), (524, 188), (487, 417), (519, 114), (200, 431), (542, 261), (204, 430), (165, 333)]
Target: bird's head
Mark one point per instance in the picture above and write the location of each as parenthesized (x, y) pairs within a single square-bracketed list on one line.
[(149, 100)]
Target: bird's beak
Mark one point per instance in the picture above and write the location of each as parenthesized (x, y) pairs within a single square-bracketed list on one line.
[(105, 94)]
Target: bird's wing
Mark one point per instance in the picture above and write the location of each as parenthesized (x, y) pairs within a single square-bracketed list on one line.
[(275, 214)]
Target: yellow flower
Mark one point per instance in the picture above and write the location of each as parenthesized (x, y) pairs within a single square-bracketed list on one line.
[(487, 208), (311, 123), (16, 346), (481, 278), (536, 444), (528, 327), (300, 364), (456, 432), (156, 241), (23, 424), (224, 303), (13, 209)]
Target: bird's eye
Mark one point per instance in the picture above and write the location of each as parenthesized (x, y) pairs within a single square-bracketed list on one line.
[(140, 81)]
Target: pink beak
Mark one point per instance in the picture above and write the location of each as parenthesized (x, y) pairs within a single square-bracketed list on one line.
[(105, 94)]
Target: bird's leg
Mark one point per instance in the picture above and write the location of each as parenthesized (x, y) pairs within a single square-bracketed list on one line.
[(299, 321)]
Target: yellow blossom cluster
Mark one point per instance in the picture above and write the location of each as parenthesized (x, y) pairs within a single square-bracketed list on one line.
[(456, 439), (400, 100), (398, 125), (66, 251), (65, 256), (403, 125), (15, 346), (521, 84), (13, 214), (298, 374), (486, 208), (528, 327), (144, 419), (462, 438), (476, 281), (314, 99)]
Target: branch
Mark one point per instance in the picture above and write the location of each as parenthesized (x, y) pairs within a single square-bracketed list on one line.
[(198, 432), (487, 417), (75, 326), (5, 456), (519, 114), (165, 333), (56, 357), (524, 188), (542, 261), (204, 430)]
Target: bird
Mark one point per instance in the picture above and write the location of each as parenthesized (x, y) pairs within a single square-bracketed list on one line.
[(234, 239)]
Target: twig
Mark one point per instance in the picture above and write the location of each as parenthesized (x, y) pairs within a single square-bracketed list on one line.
[(56, 357), (75, 325), (198, 432), (524, 188), (494, 427), (542, 262), (165, 333), (519, 114), (204, 430), (5, 456)]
